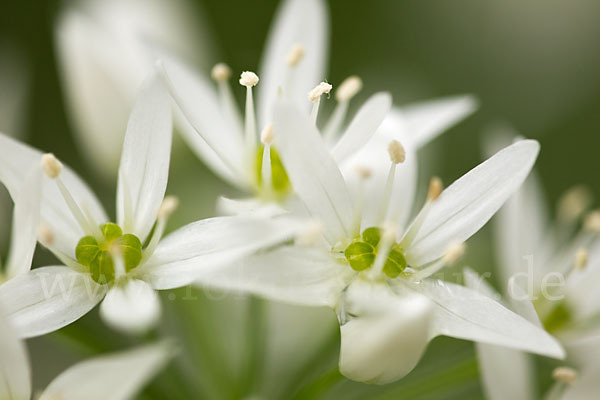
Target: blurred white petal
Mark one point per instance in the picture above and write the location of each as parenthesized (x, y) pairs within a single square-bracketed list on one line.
[(132, 307), (15, 372), (587, 385), (117, 376), (48, 298), (250, 207)]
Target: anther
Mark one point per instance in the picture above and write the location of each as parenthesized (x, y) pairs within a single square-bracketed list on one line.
[(266, 136), (45, 235), (310, 233), (435, 188), (363, 173), (220, 72), (581, 258), (322, 88), (454, 252), (295, 55), (248, 79), (51, 166), (168, 206), (565, 374), (592, 222), (396, 152), (574, 203), (348, 89)]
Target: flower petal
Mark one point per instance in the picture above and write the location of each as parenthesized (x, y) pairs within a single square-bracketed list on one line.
[(466, 205), (214, 138), (303, 22), (17, 160), (26, 216), (385, 333), (363, 126), (295, 275), (312, 171), (117, 376), (184, 254), (249, 207), (426, 120), (132, 307), (15, 372), (48, 298), (587, 385), (144, 167), (465, 314)]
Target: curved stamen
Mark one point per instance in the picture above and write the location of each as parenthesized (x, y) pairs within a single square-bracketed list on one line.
[(345, 92), (167, 208), (266, 138), (435, 190), (397, 155), (315, 97), (364, 174), (221, 73), (249, 80)]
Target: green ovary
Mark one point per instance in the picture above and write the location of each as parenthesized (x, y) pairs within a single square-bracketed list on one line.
[(559, 317), (280, 182), (362, 252), (98, 255)]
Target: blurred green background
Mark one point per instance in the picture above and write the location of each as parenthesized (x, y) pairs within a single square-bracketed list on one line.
[(532, 64)]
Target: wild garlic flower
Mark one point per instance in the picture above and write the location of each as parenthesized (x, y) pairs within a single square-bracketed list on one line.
[(117, 376), (376, 274), (120, 262), (294, 62)]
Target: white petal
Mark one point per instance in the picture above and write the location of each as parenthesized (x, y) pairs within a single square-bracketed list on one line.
[(295, 275), (312, 171), (425, 121), (16, 160), (26, 216), (117, 376), (466, 205), (132, 307), (465, 314), (385, 333), (363, 126), (249, 207), (587, 385), (374, 157), (303, 22), (144, 167), (216, 138), (15, 372), (184, 254), (48, 298)]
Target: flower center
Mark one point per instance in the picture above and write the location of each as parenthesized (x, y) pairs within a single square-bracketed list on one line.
[(99, 256), (361, 254), (280, 183)]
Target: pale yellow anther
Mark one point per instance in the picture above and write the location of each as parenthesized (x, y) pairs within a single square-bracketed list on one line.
[(266, 136), (295, 55), (581, 258), (168, 206), (51, 166), (574, 203), (592, 222), (45, 234), (348, 88), (565, 374), (248, 79), (363, 173), (454, 252), (390, 230), (435, 188), (396, 152), (310, 233), (319, 90), (220, 72)]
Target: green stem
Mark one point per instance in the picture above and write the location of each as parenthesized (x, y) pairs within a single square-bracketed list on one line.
[(320, 385), (256, 338)]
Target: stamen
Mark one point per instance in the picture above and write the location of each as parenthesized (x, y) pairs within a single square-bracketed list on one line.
[(565, 374), (45, 235), (310, 234), (315, 97), (574, 203), (397, 152), (581, 258), (220, 72), (168, 206), (454, 252), (436, 187), (346, 91), (267, 138), (166, 209), (250, 79), (383, 249), (51, 166), (592, 222), (295, 55), (364, 174), (435, 190), (397, 156), (118, 262)]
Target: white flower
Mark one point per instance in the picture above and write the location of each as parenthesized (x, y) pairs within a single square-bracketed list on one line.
[(293, 64), (374, 273), (117, 376), (103, 57), (125, 260)]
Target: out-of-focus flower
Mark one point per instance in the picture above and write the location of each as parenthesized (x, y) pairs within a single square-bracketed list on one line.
[(103, 49), (116, 376), (373, 271), (548, 274), (125, 260), (293, 64)]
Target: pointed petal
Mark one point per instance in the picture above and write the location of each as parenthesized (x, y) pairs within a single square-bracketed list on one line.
[(466, 205), (216, 139), (16, 160), (48, 298), (15, 372), (363, 126), (385, 333), (465, 314), (303, 22), (296, 275), (427, 120), (132, 307), (249, 207), (26, 216), (587, 385), (117, 376), (184, 254), (312, 171), (144, 167)]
